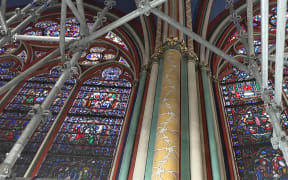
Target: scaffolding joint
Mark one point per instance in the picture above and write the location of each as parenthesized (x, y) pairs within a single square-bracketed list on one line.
[(19, 14), (5, 171), (35, 15), (109, 3), (68, 67), (4, 33), (101, 18), (145, 5)]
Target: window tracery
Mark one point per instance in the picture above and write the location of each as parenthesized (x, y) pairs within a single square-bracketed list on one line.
[(248, 125), (90, 133), (14, 117), (86, 143)]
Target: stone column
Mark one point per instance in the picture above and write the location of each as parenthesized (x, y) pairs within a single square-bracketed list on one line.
[(196, 166), (139, 169), (166, 152), (128, 150)]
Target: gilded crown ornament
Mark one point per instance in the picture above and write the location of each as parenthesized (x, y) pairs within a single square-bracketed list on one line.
[(174, 43)]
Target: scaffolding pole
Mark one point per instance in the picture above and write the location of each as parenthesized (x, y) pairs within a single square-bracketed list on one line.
[(264, 42), (199, 39), (84, 30), (280, 43), (3, 7), (12, 19), (118, 23), (23, 24), (39, 114), (42, 38), (101, 16), (99, 19), (76, 13), (250, 27), (30, 70), (63, 29), (3, 22)]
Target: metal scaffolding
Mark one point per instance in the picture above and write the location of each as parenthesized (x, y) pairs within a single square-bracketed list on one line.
[(41, 112), (87, 35)]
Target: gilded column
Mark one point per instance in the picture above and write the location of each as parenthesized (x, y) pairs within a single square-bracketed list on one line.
[(166, 152)]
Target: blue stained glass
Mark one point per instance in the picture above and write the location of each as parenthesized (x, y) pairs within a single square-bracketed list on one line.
[(272, 20), (2, 50), (72, 30), (14, 117), (45, 24), (250, 127), (94, 56), (5, 73), (115, 38), (123, 61), (111, 73), (34, 33), (90, 133), (23, 55)]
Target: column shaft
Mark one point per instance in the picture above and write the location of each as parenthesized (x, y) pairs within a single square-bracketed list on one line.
[(139, 169), (128, 150), (166, 152), (196, 166)]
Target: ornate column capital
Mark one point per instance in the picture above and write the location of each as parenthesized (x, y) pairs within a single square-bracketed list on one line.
[(174, 43)]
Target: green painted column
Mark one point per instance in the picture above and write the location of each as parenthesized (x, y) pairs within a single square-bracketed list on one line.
[(185, 136), (128, 150), (143, 144), (210, 126), (152, 138)]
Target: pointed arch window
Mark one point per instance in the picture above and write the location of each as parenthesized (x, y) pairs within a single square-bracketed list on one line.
[(15, 116), (89, 117), (86, 143), (246, 124)]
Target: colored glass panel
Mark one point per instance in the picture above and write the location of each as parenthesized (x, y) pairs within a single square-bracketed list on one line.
[(85, 145), (23, 55), (5, 74), (250, 128), (123, 61), (111, 73), (233, 74), (272, 20), (94, 56), (97, 49), (15, 118), (38, 54), (51, 28), (113, 37), (98, 54)]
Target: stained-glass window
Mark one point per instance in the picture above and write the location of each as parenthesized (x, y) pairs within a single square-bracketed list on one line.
[(14, 117), (98, 54), (249, 125), (52, 28), (86, 143), (123, 61), (250, 128), (86, 138), (23, 55), (113, 37), (38, 54), (5, 73), (272, 20), (9, 48)]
